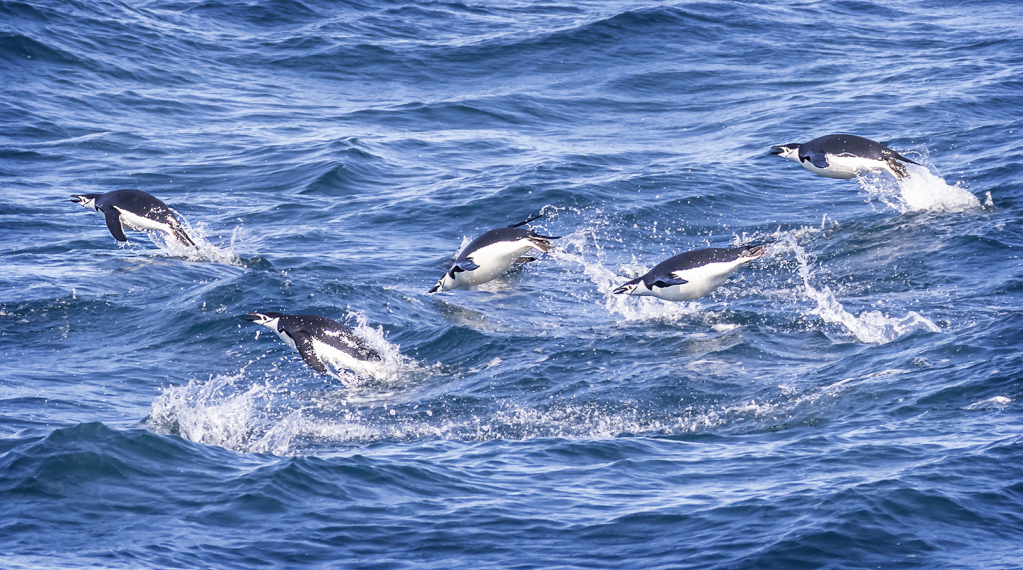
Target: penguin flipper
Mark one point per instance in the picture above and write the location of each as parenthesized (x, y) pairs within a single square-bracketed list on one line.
[(818, 159), (669, 282), (465, 265), (304, 343), (113, 218)]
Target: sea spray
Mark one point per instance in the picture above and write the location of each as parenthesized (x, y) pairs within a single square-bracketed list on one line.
[(871, 327)]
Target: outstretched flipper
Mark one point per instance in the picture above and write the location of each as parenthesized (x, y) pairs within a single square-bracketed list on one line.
[(113, 218), (304, 344), (464, 265), (818, 159), (669, 282)]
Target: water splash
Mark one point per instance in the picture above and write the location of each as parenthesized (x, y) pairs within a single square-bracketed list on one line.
[(921, 190), (870, 327), (217, 412), (204, 251), (396, 368)]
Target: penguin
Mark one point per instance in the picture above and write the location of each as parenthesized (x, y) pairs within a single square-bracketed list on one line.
[(491, 254), (844, 156), (693, 274), (322, 341), (134, 209)]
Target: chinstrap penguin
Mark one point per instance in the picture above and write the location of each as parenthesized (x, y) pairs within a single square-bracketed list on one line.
[(693, 274), (136, 210), (844, 156), (491, 254), (322, 341)]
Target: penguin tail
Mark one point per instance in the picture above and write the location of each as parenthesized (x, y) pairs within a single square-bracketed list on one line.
[(898, 169), (628, 287), (543, 242), (756, 251), (181, 236)]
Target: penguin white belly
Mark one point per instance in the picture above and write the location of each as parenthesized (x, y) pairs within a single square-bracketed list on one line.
[(341, 359), (701, 280), (492, 260), (846, 167), (140, 223)]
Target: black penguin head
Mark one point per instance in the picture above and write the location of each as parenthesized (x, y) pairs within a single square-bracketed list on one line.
[(86, 200)]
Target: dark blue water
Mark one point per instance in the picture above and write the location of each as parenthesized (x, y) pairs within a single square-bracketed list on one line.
[(850, 401)]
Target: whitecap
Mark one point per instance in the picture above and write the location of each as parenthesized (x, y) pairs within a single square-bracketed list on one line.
[(996, 402)]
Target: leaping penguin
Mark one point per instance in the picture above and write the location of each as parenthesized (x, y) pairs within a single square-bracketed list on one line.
[(136, 210), (844, 156), (322, 341), (693, 274), (491, 254)]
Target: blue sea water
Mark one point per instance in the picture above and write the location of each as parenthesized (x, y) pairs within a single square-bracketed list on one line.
[(853, 400)]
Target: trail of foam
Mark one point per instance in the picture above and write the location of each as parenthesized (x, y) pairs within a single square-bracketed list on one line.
[(871, 327), (921, 190), (209, 413)]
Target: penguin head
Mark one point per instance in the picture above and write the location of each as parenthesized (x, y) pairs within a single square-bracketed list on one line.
[(86, 200), (269, 320), (789, 151), (444, 283), (635, 287)]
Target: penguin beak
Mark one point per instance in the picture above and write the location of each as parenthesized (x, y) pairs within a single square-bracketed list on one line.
[(777, 149), (253, 317), (77, 199)]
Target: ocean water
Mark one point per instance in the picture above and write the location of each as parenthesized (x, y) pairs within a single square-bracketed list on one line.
[(852, 400)]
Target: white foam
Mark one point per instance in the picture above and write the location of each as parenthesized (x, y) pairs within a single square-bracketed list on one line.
[(920, 190)]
